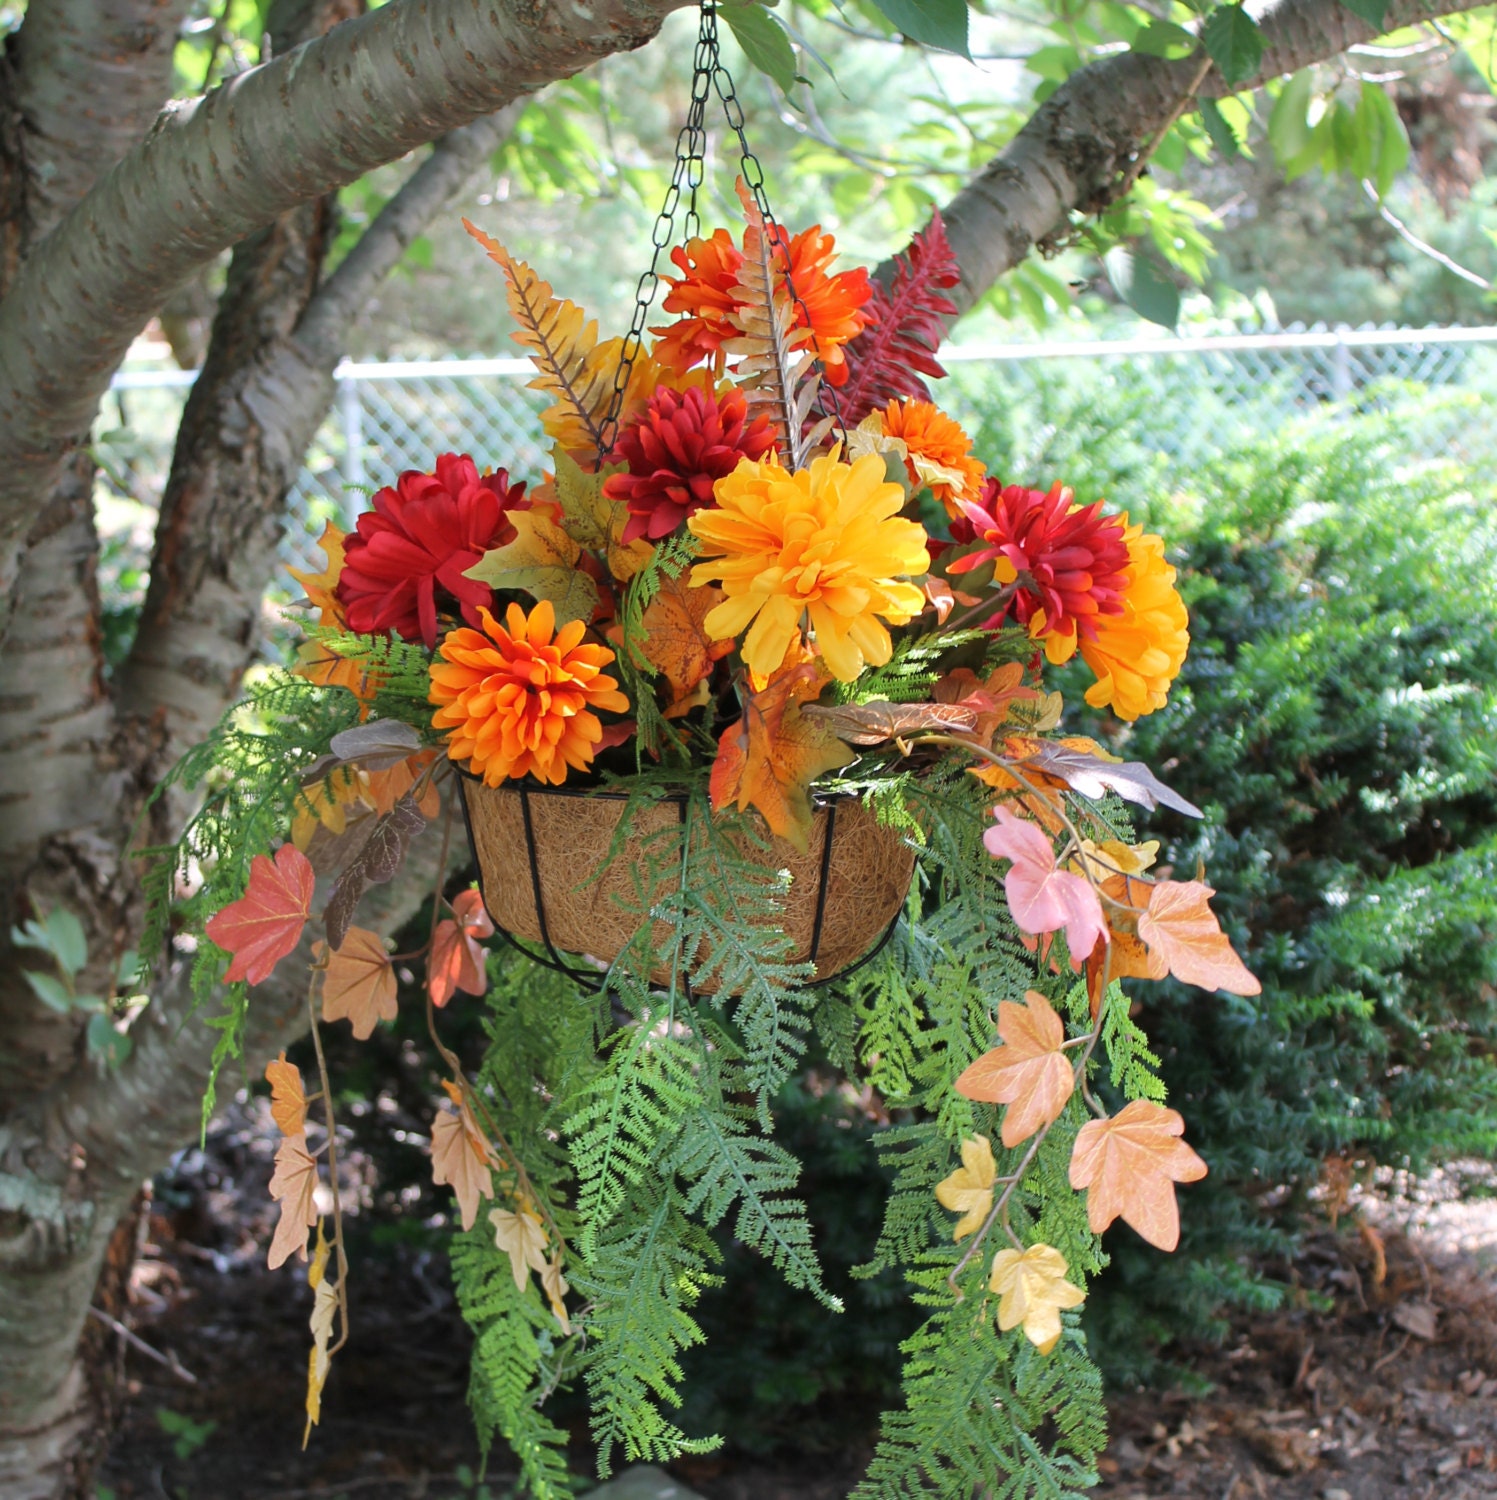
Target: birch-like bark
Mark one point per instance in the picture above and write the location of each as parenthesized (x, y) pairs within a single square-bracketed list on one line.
[(215, 170)]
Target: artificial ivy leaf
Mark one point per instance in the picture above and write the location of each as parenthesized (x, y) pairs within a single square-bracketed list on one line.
[(383, 789), (1146, 290), (673, 637), (381, 856), (288, 1097), (1181, 930), (770, 756), (457, 960), (969, 1189), (541, 561), (933, 23), (358, 984), (877, 722), (1091, 776), (1129, 1164), (1042, 898), (1029, 1073), (294, 1185), (376, 744), (1234, 42), (554, 1284), (764, 42), (460, 1156), (992, 699), (1032, 1289), (265, 923), (324, 1306), (523, 1239)]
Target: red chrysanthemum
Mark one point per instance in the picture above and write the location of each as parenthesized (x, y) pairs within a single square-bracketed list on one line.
[(1070, 561), (678, 448), (405, 564)]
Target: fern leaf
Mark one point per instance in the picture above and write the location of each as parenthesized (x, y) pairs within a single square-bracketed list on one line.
[(907, 326), (774, 356), (563, 344)]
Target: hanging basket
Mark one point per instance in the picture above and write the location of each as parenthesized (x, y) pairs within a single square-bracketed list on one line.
[(544, 867)]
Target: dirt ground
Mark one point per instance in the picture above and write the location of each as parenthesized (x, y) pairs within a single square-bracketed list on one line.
[(1378, 1379)]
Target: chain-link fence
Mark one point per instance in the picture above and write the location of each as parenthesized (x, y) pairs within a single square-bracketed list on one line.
[(1182, 399)]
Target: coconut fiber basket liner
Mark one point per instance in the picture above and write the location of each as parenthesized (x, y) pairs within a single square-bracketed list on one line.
[(542, 855)]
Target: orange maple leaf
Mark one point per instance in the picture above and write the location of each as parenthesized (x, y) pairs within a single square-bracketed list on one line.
[(288, 1097), (1129, 1165), (383, 789), (265, 923), (294, 1185), (1029, 1073), (1181, 931), (457, 959), (770, 756), (674, 641), (358, 984), (460, 1156)]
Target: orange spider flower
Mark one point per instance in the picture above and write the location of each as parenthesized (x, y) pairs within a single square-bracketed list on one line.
[(518, 701), (706, 293), (826, 542), (1137, 654), (937, 452), (831, 305)]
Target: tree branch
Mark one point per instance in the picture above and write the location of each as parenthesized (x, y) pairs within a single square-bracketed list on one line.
[(215, 170), (1075, 153)]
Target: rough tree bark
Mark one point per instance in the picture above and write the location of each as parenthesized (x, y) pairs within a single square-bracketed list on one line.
[(85, 266)]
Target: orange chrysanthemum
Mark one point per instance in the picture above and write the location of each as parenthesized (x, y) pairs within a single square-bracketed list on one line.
[(519, 701), (1137, 654), (825, 542), (706, 293), (831, 305), (937, 452)]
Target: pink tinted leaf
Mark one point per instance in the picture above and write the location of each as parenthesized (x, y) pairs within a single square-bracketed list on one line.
[(1042, 898)]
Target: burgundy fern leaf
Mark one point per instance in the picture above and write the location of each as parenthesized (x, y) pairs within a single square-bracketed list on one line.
[(899, 345)]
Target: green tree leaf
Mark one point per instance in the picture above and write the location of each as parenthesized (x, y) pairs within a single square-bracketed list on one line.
[(764, 42), (1142, 286), (1234, 41), (1374, 12), (1289, 120), (50, 990), (1222, 135), (933, 23), (1164, 39)]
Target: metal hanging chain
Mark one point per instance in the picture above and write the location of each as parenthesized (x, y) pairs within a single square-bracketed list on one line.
[(708, 75)]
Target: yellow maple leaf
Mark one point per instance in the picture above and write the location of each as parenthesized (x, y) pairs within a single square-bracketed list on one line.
[(588, 516), (1029, 1073), (523, 1238), (288, 1098), (541, 561), (320, 586), (325, 804), (1032, 1289), (324, 1306), (969, 1189)]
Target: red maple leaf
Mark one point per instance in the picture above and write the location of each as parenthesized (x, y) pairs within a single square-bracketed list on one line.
[(265, 923)]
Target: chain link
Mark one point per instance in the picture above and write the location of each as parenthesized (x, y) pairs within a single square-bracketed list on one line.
[(708, 75)]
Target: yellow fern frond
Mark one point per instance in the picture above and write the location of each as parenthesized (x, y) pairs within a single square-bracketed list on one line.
[(562, 342)]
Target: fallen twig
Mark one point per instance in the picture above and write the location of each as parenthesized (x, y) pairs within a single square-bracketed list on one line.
[(171, 1361)]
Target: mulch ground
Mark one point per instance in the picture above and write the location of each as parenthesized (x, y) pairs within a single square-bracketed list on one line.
[(1376, 1381)]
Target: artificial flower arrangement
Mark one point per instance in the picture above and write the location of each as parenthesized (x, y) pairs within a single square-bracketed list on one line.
[(767, 606)]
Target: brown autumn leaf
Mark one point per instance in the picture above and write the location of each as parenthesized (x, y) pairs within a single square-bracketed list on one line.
[(876, 722), (555, 1286), (294, 1185), (674, 640), (992, 700), (768, 758), (1129, 1165), (358, 984), (288, 1096), (381, 856), (1029, 1073), (1181, 931), (384, 786), (460, 1156)]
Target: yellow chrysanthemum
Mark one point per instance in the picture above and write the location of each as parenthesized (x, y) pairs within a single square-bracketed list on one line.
[(824, 543), (1137, 655)]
